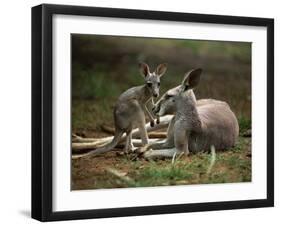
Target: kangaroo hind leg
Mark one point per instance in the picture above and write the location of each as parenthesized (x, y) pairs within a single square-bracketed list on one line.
[(168, 143), (143, 133), (140, 123), (129, 146)]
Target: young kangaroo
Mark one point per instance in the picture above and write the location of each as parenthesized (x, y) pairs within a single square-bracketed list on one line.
[(197, 125), (130, 109)]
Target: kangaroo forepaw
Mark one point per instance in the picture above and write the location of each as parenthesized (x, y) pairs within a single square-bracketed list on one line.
[(152, 124), (158, 120)]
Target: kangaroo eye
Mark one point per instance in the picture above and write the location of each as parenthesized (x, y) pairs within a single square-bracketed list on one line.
[(149, 84)]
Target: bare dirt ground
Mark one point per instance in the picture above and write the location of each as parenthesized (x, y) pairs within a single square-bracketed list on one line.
[(94, 172), (103, 67)]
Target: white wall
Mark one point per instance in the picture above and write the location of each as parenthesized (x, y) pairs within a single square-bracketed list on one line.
[(15, 111)]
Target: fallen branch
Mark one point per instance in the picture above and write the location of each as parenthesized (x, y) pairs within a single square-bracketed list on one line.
[(121, 176), (94, 142), (136, 142), (78, 139), (151, 134), (157, 134), (91, 145)]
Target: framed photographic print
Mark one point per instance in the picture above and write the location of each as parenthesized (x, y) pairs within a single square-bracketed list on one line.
[(146, 112)]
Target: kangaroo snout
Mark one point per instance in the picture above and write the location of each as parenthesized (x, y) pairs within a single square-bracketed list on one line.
[(155, 95)]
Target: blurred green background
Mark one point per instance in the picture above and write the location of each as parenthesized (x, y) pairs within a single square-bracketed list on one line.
[(105, 66)]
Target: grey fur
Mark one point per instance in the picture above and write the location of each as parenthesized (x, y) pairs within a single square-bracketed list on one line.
[(130, 109), (197, 125)]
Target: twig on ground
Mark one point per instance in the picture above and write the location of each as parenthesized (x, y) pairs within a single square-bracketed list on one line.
[(79, 139), (76, 146), (157, 134), (151, 134), (91, 143), (121, 176)]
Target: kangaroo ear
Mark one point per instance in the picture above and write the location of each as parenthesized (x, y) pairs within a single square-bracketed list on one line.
[(192, 79), (161, 69), (144, 69)]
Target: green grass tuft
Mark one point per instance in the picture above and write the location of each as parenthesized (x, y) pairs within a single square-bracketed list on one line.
[(244, 124)]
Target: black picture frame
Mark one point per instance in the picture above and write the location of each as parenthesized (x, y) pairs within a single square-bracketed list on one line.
[(42, 111)]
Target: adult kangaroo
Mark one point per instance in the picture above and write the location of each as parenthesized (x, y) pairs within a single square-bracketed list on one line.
[(130, 109), (197, 125)]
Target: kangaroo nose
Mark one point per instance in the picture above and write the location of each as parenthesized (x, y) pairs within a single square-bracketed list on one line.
[(155, 95)]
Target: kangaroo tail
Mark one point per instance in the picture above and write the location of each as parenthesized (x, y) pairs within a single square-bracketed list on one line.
[(106, 148)]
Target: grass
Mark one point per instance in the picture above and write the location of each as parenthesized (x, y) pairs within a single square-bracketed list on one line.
[(89, 84), (230, 166), (104, 67), (244, 124), (89, 114)]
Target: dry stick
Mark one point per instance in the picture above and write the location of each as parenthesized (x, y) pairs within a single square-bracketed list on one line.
[(75, 136), (136, 143), (157, 134), (151, 134), (78, 139), (164, 122), (84, 140), (120, 175), (91, 145)]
